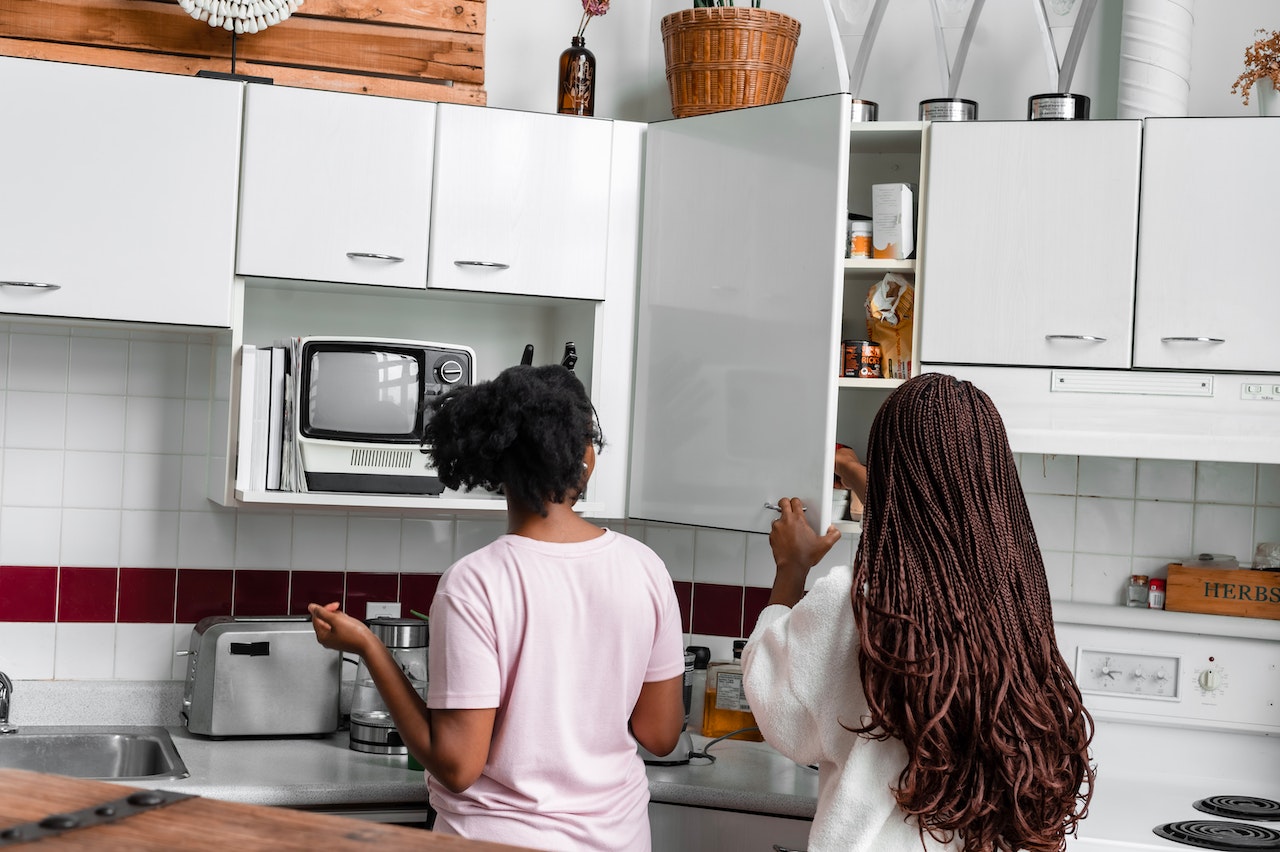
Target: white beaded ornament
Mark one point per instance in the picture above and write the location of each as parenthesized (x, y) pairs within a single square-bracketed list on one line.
[(240, 16)]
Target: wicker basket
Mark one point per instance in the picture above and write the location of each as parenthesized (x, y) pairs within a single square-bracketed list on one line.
[(722, 57)]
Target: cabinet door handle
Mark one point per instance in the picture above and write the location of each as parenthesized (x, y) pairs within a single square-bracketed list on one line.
[(1193, 340), (1089, 337), (35, 285), (368, 255), (488, 264)]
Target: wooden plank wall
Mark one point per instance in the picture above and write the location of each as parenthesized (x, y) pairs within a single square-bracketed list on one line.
[(429, 50)]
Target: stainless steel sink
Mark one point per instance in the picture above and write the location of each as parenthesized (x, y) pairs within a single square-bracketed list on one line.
[(108, 753)]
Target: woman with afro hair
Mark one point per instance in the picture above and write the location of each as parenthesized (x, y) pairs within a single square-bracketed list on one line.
[(925, 680), (554, 650)]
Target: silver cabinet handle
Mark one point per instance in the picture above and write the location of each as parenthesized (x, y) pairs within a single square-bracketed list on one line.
[(1193, 340), (368, 255), (1088, 337), (488, 264), (35, 285)]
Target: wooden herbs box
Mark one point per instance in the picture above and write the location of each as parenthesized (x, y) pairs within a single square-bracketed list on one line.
[(1223, 591), (431, 50)]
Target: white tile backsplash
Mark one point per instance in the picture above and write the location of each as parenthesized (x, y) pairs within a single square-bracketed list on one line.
[(157, 368), (674, 546), (35, 420), (1161, 527), (90, 537), (26, 650), (1164, 479), (148, 539), (95, 422), (1048, 474), (1225, 482), (99, 366), (32, 478), (1054, 518), (92, 480), (1223, 529), (1104, 525), (373, 544), (38, 362), (144, 652), (103, 464), (84, 651), (1099, 477), (426, 545), (719, 556), (152, 481)]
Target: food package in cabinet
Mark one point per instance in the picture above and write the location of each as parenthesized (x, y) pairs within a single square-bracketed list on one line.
[(891, 308)]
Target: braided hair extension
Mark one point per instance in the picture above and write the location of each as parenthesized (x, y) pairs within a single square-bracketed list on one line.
[(526, 432), (957, 657)]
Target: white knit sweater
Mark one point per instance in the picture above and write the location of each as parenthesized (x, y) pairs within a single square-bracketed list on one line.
[(800, 673)]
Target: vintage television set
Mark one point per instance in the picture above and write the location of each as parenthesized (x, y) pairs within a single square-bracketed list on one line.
[(362, 409)]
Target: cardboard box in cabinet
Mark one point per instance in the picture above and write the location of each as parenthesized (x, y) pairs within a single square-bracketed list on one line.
[(893, 220), (1223, 591)]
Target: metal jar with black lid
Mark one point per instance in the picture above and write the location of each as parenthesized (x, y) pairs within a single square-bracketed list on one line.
[(372, 729)]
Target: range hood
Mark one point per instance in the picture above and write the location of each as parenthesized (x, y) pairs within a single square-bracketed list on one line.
[(1229, 417)]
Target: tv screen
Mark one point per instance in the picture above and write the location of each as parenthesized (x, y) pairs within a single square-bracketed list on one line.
[(362, 392)]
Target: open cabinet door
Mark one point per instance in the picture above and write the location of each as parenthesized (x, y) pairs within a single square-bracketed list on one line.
[(739, 314)]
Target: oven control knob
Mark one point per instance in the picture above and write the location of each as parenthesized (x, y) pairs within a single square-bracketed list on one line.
[(1139, 674), (1209, 680), (449, 370)]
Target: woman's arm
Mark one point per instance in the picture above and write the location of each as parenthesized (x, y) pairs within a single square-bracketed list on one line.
[(453, 745), (850, 472), (659, 714)]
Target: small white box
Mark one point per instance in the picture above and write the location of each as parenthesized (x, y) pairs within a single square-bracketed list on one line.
[(893, 220)]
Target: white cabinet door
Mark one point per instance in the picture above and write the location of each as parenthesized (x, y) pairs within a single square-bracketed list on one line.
[(521, 203), (1207, 296), (1029, 240), (337, 187), (739, 314), (117, 193)]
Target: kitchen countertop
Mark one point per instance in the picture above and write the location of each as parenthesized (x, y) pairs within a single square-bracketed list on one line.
[(324, 774)]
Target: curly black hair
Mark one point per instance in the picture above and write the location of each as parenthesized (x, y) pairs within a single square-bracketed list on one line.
[(524, 432)]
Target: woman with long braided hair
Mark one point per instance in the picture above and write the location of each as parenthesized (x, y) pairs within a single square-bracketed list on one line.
[(925, 680)]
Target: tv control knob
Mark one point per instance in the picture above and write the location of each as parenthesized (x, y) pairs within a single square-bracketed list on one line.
[(449, 370)]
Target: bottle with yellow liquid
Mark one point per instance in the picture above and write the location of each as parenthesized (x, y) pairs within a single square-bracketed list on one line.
[(724, 708)]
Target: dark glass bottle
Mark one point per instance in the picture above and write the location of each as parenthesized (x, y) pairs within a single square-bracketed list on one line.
[(577, 95)]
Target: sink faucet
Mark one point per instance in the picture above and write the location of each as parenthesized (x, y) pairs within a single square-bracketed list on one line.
[(6, 695)]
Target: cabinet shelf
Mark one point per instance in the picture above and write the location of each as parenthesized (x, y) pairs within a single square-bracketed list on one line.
[(883, 384), (874, 264), (448, 505)]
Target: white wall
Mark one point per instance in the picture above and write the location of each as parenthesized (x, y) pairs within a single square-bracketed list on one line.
[(1006, 63)]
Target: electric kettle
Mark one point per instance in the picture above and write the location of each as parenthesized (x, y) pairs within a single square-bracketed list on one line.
[(372, 729)]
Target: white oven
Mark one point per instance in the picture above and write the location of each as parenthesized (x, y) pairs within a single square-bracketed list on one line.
[(1187, 714)]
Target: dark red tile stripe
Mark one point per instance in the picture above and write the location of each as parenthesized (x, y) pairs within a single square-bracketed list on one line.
[(168, 595), (717, 609), (87, 594), (148, 595), (363, 588), (261, 593), (203, 593), (309, 587), (28, 593)]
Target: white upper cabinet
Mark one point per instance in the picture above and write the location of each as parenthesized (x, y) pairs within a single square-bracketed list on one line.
[(1207, 291), (336, 187), (118, 193), (1028, 251), (739, 314), (521, 203)]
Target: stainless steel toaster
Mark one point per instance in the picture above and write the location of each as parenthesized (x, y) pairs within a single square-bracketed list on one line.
[(260, 676)]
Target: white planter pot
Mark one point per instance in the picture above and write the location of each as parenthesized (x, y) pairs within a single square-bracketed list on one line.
[(1264, 91)]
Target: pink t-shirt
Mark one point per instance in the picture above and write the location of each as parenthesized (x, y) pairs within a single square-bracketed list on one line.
[(558, 637)]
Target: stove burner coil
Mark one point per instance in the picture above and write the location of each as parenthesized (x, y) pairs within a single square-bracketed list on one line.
[(1240, 807), (1219, 835)]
